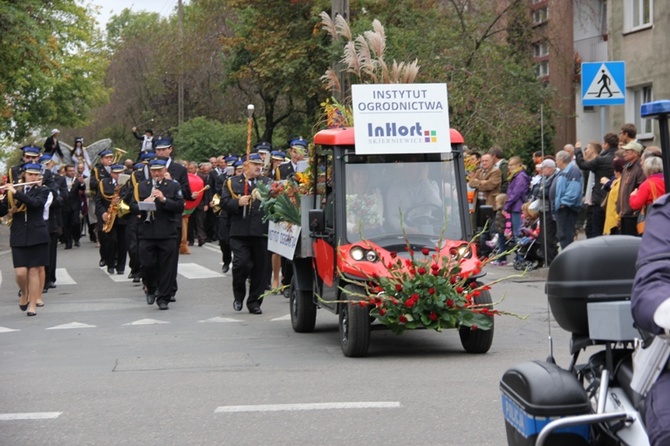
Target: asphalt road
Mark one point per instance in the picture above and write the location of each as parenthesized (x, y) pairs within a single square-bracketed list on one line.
[(97, 366)]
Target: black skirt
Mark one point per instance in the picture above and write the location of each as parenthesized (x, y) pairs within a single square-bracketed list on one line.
[(30, 256)]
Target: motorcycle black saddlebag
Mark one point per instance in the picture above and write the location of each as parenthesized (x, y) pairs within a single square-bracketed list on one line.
[(536, 393), (600, 269)]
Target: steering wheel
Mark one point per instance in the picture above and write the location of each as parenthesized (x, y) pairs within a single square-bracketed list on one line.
[(424, 215)]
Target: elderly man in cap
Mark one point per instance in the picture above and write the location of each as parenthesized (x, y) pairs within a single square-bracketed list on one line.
[(263, 148), (160, 203), (248, 235), (113, 241), (631, 178), (541, 192)]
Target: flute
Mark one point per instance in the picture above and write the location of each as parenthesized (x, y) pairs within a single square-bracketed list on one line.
[(29, 183)]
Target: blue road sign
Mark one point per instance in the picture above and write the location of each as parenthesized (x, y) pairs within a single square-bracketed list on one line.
[(604, 83)]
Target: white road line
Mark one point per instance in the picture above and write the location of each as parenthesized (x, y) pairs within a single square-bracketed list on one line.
[(29, 416), (309, 406), (70, 326), (282, 318), (63, 278), (220, 319), (115, 277), (195, 271), (212, 247), (0, 278), (147, 322), (7, 330)]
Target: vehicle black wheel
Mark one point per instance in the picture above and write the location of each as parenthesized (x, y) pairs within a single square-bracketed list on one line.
[(354, 325), (519, 265), (478, 341), (303, 309)]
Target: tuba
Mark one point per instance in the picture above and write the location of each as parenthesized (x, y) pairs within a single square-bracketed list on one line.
[(118, 154)]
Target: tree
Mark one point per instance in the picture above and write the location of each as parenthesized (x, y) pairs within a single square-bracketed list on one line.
[(201, 138), (51, 65)]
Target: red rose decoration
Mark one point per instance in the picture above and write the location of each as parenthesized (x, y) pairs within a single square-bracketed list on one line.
[(432, 316), (431, 291), (398, 287), (425, 251), (421, 270), (402, 319)]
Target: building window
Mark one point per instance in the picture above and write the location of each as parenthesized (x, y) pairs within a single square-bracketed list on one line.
[(540, 15), (638, 14), (542, 69), (540, 49), (639, 96)]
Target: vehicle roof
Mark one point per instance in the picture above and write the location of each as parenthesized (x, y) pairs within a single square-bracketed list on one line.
[(345, 137)]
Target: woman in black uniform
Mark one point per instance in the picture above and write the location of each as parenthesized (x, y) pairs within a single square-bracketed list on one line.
[(29, 237)]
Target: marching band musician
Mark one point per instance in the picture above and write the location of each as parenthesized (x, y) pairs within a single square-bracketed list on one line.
[(297, 151), (72, 207), (159, 232), (248, 235), (58, 187), (141, 173), (263, 148), (178, 173), (112, 242), (100, 171), (29, 237)]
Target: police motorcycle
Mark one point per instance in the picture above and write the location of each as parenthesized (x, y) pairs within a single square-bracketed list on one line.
[(598, 402)]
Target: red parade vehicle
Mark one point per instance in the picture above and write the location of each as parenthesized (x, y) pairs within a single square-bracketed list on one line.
[(370, 210)]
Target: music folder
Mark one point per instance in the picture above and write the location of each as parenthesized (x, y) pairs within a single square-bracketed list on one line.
[(147, 206)]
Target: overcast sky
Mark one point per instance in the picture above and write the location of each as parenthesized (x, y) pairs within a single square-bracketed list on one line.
[(113, 7)]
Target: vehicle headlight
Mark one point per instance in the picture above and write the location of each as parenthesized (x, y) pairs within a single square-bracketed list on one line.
[(357, 253), (461, 252)]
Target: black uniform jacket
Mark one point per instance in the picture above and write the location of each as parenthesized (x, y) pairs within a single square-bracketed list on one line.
[(99, 172), (28, 227), (59, 191), (284, 171), (252, 225), (165, 221)]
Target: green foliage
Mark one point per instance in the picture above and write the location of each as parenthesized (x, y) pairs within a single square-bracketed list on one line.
[(51, 65), (200, 138)]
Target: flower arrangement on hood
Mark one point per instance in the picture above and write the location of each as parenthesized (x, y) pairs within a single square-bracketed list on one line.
[(430, 290)]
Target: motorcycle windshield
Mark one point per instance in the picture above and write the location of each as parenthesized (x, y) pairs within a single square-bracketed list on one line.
[(408, 194)]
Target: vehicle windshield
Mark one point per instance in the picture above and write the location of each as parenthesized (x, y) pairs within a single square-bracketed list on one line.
[(392, 195)]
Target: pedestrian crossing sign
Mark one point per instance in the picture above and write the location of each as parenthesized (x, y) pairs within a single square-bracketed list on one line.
[(603, 83)]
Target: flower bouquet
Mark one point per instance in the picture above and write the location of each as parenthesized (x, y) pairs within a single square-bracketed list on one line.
[(429, 291), (280, 201), (365, 208)]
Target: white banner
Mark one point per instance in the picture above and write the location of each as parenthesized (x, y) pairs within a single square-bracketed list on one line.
[(283, 238), (401, 118)]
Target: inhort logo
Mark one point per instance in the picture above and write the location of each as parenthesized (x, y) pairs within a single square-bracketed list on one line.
[(393, 130)]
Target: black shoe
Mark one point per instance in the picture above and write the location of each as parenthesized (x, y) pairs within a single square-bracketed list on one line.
[(23, 307), (31, 313), (137, 279), (51, 285), (68, 246), (102, 263), (110, 270), (237, 305), (151, 298), (225, 268), (77, 244), (162, 305), (255, 310), (173, 299), (120, 272), (45, 290)]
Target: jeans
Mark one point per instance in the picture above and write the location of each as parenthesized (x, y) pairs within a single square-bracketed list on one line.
[(516, 225), (566, 219)]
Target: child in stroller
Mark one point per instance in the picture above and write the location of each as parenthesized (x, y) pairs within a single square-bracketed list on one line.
[(528, 254)]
